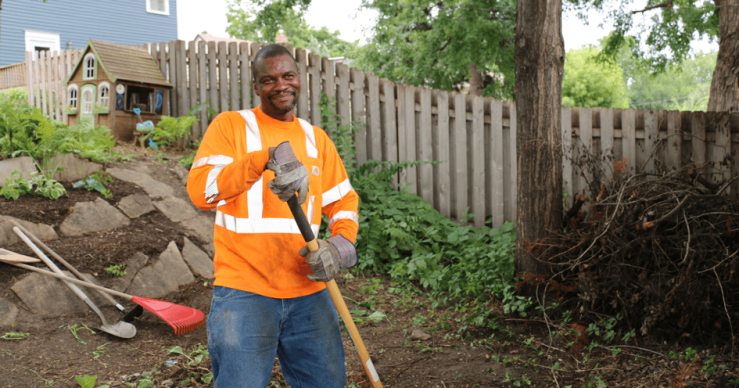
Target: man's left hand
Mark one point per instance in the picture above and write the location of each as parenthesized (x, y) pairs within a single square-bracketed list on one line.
[(333, 255)]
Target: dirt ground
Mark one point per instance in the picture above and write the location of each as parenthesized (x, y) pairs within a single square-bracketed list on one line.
[(523, 352)]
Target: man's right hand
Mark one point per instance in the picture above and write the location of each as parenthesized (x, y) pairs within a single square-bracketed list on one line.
[(290, 175)]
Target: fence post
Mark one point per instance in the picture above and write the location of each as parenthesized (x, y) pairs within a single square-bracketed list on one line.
[(314, 69), (458, 157), (302, 58), (512, 196), (233, 75), (389, 126), (476, 161), (29, 77), (213, 77), (358, 115), (440, 141), (245, 73), (628, 139), (650, 136), (374, 121), (192, 73), (424, 150), (203, 87), (674, 139)]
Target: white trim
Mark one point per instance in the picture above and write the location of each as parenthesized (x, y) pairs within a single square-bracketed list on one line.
[(337, 192), (76, 97), (260, 226), (35, 39), (211, 184), (150, 10), (87, 106), (214, 160), (344, 215), (255, 199), (86, 68), (310, 139), (253, 139), (100, 94)]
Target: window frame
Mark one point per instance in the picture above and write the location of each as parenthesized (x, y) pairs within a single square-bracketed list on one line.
[(149, 9), (85, 67), (35, 39), (87, 88), (76, 99), (103, 85)]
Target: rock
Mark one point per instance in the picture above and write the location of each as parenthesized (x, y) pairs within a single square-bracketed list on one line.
[(177, 210), (211, 249), (8, 313), (74, 168), (154, 188), (199, 261), (420, 335), (182, 173), (24, 164), (201, 226), (136, 205), (163, 277), (134, 265), (97, 216), (8, 237), (50, 297)]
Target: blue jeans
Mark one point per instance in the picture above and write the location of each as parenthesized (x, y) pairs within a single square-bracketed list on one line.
[(246, 330)]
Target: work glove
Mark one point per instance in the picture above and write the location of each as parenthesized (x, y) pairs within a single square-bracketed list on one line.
[(333, 255), (290, 175)]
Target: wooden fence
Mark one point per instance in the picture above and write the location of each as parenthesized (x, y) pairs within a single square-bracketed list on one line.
[(13, 76), (475, 136)]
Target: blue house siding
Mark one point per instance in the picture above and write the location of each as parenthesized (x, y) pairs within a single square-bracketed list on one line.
[(77, 21)]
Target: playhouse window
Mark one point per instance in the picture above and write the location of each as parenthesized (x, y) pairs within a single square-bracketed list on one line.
[(87, 100), (89, 68), (104, 95), (142, 98), (73, 96)]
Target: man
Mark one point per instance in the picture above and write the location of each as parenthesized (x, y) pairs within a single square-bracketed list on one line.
[(267, 298)]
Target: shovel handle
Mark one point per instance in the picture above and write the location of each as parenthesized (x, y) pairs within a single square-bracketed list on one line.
[(338, 299)]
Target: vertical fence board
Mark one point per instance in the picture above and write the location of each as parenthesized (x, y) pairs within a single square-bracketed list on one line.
[(424, 151), (511, 184), (192, 76), (222, 76), (233, 75), (203, 86), (402, 129), (606, 141), (409, 175), (722, 150), (343, 95), (253, 49), (440, 143), (184, 93), (358, 116), (650, 139), (58, 85), (30, 78), (213, 77), (390, 126), (329, 85), (67, 71), (374, 119), (314, 69), (458, 157), (628, 139), (476, 161), (567, 186), (301, 57), (674, 140), (586, 138), (42, 68), (173, 79), (245, 75), (698, 140)]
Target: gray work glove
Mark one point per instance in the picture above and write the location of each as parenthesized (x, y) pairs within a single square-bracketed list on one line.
[(333, 255), (290, 175)]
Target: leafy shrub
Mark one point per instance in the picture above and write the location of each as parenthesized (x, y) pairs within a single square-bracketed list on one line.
[(16, 185), (96, 181), (16, 96)]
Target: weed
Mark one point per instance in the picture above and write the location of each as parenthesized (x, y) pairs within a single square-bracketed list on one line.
[(100, 351), (116, 270), (48, 383), (75, 328), (97, 182), (14, 336)]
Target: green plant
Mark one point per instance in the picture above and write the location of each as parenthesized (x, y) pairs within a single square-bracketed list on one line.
[(86, 381), (47, 382), (16, 185), (75, 328), (172, 131), (96, 181), (100, 351), (116, 270), (10, 336)]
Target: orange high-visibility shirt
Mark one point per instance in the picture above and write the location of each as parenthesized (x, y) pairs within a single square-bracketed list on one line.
[(256, 238)]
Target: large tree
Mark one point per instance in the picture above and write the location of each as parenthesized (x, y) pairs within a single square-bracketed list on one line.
[(539, 66), (663, 39), (591, 82)]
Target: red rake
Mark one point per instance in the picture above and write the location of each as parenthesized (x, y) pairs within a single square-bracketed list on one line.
[(181, 318)]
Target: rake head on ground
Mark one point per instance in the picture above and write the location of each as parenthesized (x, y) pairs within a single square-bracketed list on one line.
[(182, 319)]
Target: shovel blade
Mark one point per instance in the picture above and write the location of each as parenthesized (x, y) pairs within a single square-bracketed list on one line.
[(119, 329)]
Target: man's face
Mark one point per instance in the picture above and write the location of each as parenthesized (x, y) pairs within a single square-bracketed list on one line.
[(278, 85)]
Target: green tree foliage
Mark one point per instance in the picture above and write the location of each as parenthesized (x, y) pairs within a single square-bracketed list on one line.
[(591, 82), (661, 39), (432, 43), (261, 20)]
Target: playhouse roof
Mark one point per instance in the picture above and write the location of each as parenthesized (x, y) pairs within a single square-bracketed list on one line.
[(124, 63)]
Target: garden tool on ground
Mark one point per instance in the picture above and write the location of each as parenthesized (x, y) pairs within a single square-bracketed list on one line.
[(333, 289), (66, 264), (12, 257), (118, 329), (182, 319)]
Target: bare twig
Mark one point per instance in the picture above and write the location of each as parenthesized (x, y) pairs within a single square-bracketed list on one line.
[(731, 326), (660, 5)]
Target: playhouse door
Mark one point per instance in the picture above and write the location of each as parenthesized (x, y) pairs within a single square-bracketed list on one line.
[(87, 117)]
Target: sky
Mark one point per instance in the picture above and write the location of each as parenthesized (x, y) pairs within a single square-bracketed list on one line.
[(196, 16)]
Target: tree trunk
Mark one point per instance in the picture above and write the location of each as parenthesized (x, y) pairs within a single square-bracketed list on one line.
[(539, 55), (476, 86), (725, 84)]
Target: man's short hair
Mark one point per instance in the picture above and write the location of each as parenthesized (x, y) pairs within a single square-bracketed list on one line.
[(267, 52)]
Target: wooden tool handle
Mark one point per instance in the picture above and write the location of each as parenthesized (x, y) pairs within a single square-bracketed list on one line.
[(338, 299)]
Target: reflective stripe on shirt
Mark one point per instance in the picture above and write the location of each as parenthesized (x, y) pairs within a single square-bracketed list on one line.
[(337, 192), (344, 215)]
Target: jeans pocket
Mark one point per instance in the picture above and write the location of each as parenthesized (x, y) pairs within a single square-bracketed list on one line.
[(221, 293)]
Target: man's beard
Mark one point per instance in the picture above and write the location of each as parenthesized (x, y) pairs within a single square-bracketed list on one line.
[(287, 109)]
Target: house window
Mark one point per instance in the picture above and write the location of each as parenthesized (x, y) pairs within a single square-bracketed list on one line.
[(87, 101), (89, 68), (157, 6), (104, 95), (73, 91), (37, 41)]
